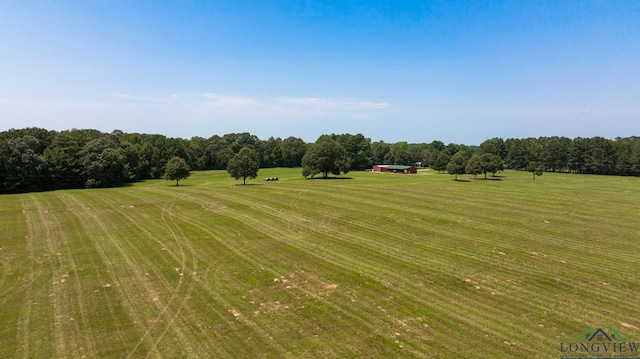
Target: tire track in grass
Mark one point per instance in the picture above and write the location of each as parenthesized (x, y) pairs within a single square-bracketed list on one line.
[(136, 260), (257, 260), (215, 293), (45, 301), (67, 293), (83, 212), (47, 335), (180, 239), (337, 259), (12, 246), (25, 326), (112, 254), (211, 292), (167, 213), (178, 303)]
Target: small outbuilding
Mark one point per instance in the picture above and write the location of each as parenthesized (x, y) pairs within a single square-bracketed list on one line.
[(395, 169)]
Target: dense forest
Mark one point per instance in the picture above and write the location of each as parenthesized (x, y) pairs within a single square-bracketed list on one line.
[(35, 159)]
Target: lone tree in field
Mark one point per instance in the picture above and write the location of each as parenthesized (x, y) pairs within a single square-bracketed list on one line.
[(244, 164), (537, 170), (176, 169), (325, 156), (456, 165)]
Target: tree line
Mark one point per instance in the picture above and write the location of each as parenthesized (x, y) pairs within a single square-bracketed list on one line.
[(36, 159)]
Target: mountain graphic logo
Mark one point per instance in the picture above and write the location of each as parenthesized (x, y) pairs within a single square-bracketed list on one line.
[(599, 335)]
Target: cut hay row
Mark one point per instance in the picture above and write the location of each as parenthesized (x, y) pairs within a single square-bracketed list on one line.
[(372, 266)]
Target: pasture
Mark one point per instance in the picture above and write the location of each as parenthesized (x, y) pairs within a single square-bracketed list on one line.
[(377, 265)]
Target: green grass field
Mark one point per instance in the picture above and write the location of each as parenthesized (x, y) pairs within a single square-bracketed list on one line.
[(378, 265)]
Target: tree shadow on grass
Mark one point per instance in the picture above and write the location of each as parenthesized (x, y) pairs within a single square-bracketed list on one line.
[(248, 184), (180, 185), (330, 178), (461, 180)]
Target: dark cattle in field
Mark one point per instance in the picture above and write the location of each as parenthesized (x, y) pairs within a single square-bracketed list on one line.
[(272, 178)]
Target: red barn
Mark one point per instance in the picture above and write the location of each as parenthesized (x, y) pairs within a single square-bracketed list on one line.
[(395, 169)]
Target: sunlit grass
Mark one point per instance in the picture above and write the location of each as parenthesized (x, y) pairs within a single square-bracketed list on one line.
[(375, 265)]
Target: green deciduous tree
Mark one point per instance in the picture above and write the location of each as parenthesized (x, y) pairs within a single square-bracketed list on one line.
[(495, 146), (490, 163), (536, 169), (272, 153), (245, 164), (22, 165), (379, 150), (474, 167), (516, 157), (400, 154), (457, 164), (63, 161), (440, 162), (176, 169), (109, 162), (293, 150), (358, 149), (325, 156)]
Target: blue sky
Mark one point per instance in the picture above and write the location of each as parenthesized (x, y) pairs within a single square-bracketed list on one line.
[(459, 71)]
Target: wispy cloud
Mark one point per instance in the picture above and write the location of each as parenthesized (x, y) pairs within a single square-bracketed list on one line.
[(238, 102), (284, 106), (318, 102), (246, 106)]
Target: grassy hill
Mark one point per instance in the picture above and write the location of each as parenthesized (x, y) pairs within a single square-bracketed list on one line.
[(376, 265)]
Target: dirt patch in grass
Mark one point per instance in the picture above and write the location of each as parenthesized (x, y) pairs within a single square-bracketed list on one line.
[(308, 283)]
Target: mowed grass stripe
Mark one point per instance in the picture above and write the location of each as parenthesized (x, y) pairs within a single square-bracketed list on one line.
[(16, 274), (70, 313), (35, 324)]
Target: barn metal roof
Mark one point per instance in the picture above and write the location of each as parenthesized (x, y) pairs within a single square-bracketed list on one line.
[(395, 167)]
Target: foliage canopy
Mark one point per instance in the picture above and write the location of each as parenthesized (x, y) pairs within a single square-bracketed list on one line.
[(325, 156), (244, 165), (457, 164), (177, 169)]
